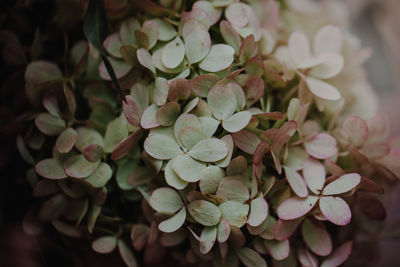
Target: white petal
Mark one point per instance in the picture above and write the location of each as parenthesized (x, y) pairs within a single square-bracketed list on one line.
[(343, 184), (295, 207), (314, 175), (331, 66), (322, 89), (335, 210), (174, 223), (328, 39), (299, 47), (296, 182)]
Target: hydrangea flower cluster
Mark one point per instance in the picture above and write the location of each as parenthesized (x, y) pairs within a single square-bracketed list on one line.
[(238, 140)]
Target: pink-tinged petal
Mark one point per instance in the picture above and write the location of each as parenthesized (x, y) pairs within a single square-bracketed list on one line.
[(339, 256), (279, 250), (258, 211), (229, 34), (296, 207), (246, 141), (343, 184), (285, 229), (328, 39), (296, 182), (254, 90), (372, 207), (376, 150), (316, 237), (132, 110), (310, 128), (314, 175), (208, 237), (322, 89), (145, 59), (223, 231), (335, 210), (236, 14), (262, 149), (321, 146), (299, 47), (149, 118), (306, 258), (201, 84), (331, 66), (356, 130), (377, 126), (213, 13)]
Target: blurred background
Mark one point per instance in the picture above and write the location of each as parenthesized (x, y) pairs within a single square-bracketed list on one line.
[(376, 23), (43, 24)]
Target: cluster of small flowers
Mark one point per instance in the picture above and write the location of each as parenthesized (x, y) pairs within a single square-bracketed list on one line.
[(247, 135)]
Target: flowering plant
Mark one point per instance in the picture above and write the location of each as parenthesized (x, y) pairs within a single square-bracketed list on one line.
[(219, 131)]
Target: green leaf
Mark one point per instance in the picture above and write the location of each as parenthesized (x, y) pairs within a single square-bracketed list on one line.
[(49, 124), (165, 30), (190, 136), (207, 237), (172, 178), (229, 34), (197, 41), (23, 150), (53, 207), (160, 91), (258, 211), (88, 136), (223, 231), (210, 178), (162, 147), (201, 84), (234, 212), (279, 250), (223, 163), (126, 254), (50, 169), (237, 122), (167, 114), (105, 244), (219, 58), (166, 200), (316, 237), (187, 168), (209, 125), (209, 150), (93, 152), (250, 258), (100, 176), (173, 53), (204, 212), (173, 223), (145, 59), (150, 28), (78, 167), (186, 120), (222, 102), (232, 189), (116, 132), (66, 141)]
